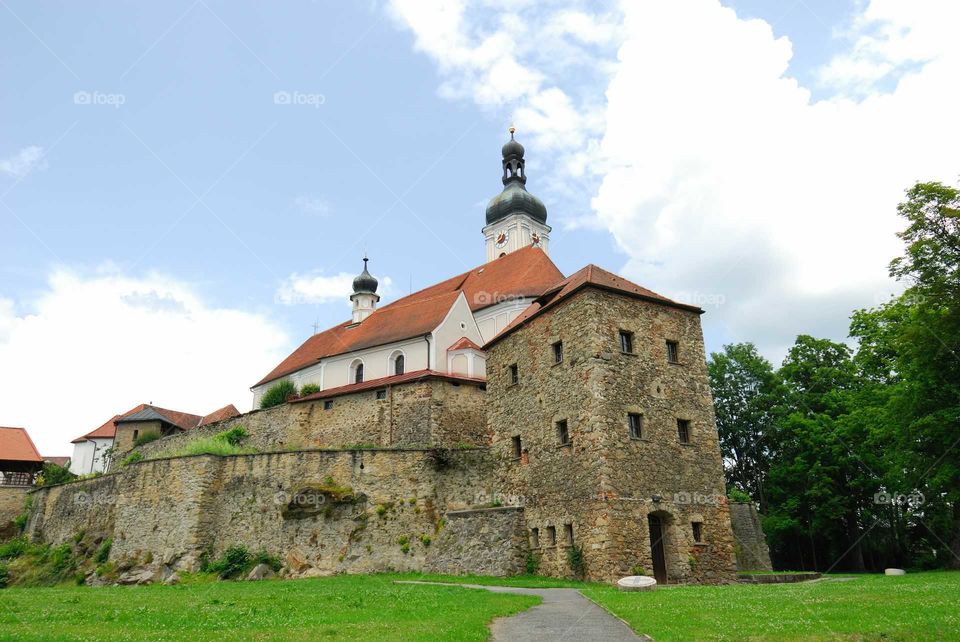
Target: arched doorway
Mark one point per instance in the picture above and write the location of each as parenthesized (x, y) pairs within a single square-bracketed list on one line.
[(658, 546)]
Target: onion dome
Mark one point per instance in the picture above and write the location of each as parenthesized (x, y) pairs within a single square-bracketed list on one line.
[(365, 283), (515, 199)]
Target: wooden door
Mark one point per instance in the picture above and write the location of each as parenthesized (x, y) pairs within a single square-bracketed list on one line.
[(656, 549)]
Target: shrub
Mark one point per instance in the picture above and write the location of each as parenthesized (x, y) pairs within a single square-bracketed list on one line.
[(309, 389), (20, 521), (575, 560), (425, 540), (132, 458), (146, 438), (278, 394), (210, 446), (235, 436), (533, 563), (737, 495), (235, 561), (61, 559), (54, 474), (103, 553), (14, 548), (4, 576), (263, 557)]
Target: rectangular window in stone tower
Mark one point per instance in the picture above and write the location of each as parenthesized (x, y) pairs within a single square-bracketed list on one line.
[(551, 535), (517, 447), (514, 374), (534, 538), (558, 352), (568, 534), (635, 424), (697, 531), (626, 342), (673, 352), (683, 430), (563, 433)]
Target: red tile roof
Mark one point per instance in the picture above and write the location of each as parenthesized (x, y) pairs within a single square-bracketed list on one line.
[(525, 273), (219, 415), (464, 343), (590, 276), (387, 381), (16, 445), (59, 461), (183, 420)]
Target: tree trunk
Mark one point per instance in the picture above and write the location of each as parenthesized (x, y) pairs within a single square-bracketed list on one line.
[(955, 541), (855, 556)]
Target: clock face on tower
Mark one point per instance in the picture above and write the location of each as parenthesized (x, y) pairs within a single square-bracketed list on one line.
[(502, 239)]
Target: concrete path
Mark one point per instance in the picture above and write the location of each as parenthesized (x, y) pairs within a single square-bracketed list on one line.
[(565, 614)]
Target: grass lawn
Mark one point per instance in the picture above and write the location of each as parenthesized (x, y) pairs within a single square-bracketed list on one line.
[(920, 606), (345, 607)]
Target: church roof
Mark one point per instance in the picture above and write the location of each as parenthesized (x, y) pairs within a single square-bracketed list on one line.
[(589, 276), (16, 445), (463, 344), (528, 272)]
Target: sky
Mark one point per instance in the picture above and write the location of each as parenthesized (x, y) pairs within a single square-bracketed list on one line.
[(187, 188)]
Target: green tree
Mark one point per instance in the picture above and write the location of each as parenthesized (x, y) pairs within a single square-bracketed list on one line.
[(746, 398)]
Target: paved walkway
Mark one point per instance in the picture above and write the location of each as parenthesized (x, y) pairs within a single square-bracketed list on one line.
[(565, 614)]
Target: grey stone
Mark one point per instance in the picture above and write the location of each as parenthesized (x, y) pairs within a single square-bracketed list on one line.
[(260, 572), (172, 579), (894, 571), (636, 583), (136, 576)]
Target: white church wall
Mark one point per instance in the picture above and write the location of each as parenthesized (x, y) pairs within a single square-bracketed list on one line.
[(458, 323), (88, 456), (492, 320)]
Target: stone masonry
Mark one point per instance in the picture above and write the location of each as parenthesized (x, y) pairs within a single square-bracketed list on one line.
[(753, 554)]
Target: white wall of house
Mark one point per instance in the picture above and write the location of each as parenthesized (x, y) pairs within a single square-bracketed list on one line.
[(88, 456), (495, 318), (458, 323)]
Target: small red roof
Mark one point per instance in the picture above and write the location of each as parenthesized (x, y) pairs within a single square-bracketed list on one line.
[(109, 429), (528, 272), (59, 461), (16, 445), (219, 415), (591, 276), (462, 344), (387, 381)]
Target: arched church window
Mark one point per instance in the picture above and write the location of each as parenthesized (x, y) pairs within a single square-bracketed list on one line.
[(398, 365), (358, 374)]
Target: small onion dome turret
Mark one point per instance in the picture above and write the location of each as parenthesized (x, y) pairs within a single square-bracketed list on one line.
[(365, 283)]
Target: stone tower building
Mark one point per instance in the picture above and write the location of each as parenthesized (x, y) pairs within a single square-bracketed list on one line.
[(602, 417)]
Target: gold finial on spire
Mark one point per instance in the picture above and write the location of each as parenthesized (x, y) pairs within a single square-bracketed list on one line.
[(512, 129)]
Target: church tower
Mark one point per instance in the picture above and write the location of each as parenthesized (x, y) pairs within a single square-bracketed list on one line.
[(364, 295), (515, 217)]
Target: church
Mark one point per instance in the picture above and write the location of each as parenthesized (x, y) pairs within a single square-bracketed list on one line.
[(508, 419), (442, 327)]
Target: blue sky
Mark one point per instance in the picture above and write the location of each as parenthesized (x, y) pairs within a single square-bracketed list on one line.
[(143, 150)]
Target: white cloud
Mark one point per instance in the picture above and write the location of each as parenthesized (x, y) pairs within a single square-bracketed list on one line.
[(23, 162), (713, 169), (91, 346), (320, 288), (311, 205)]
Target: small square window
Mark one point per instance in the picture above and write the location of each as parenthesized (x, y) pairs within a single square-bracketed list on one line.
[(328, 404), (534, 538), (563, 433), (626, 342), (635, 424), (697, 531), (683, 430), (673, 352), (514, 374), (558, 352), (568, 534), (551, 535), (136, 433), (381, 394), (517, 447)]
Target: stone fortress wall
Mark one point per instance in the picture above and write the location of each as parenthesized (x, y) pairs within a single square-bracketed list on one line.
[(320, 511), (753, 554)]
